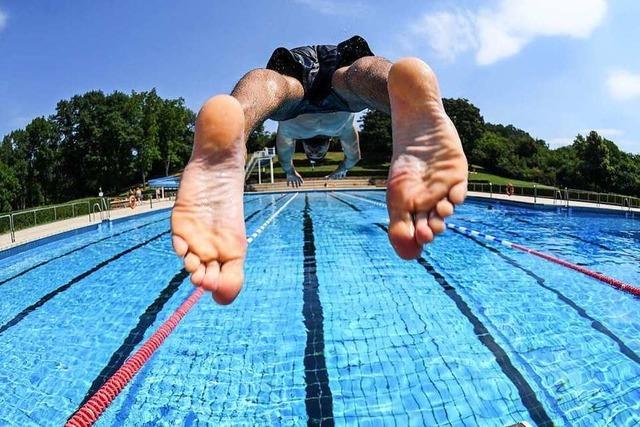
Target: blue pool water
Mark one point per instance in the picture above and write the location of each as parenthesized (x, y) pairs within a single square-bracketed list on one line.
[(331, 325)]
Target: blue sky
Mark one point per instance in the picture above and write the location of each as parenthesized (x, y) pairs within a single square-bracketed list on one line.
[(552, 67)]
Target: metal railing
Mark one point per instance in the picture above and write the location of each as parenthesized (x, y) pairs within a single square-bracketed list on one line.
[(266, 154), (93, 211), (560, 196), (38, 216)]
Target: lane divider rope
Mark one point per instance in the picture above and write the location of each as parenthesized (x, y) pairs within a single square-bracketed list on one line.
[(613, 282), (89, 413)]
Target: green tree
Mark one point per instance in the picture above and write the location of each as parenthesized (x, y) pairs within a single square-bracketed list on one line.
[(175, 134), (595, 156), (468, 122), (375, 135), (259, 139), (9, 187)]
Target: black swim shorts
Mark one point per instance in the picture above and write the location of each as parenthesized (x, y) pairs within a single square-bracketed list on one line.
[(314, 66)]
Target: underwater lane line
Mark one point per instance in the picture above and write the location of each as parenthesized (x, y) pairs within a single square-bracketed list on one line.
[(464, 394), (24, 313), (256, 212), (145, 321), (525, 391), (136, 335), (595, 324), (33, 267), (351, 205), (527, 395), (318, 400), (89, 413)]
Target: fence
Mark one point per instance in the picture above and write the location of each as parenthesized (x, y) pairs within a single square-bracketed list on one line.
[(13, 222), (559, 195)]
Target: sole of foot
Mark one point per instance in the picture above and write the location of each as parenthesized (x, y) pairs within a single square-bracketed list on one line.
[(207, 224), (428, 173)]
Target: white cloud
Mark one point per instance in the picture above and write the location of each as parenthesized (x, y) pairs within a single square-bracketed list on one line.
[(3, 20), (623, 84), (608, 133), (334, 7), (502, 31)]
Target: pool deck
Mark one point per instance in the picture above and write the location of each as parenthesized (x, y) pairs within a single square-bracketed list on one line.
[(551, 203), (53, 228)]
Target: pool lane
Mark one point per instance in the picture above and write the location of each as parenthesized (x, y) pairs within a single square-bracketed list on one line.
[(503, 297), (527, 395), (46, 298), (84, 260), (238, 364), (318, 400), (79, 248), (448, 394), (77, 322)]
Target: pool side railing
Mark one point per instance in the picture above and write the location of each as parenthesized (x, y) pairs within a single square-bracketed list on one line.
[(560, 196), (94, 209)]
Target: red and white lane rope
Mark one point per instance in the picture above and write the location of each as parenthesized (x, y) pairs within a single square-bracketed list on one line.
[(618, 284), (89, 413)]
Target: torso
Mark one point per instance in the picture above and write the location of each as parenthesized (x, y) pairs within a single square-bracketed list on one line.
[(310, 125)]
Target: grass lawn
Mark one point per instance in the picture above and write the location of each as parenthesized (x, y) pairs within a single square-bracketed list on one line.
[(376, 168), (499, 180)]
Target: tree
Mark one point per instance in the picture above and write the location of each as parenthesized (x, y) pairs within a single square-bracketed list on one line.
[(259, 139), (375, 135), (9, 187), (595, 165), (175, 133), (467, 120)]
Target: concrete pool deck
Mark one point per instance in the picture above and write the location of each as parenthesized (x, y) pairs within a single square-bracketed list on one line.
[(31, 234), (54, 228)]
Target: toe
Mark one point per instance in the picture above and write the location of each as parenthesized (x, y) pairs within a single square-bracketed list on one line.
[(229, 281), (424, 234), (444, 208), (458, 192), (210, 281), (179, 245), (198, 275), (191, 262), (402, 235), (436, 223)]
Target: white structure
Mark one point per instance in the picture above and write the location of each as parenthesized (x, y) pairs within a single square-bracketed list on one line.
[(256, 159)]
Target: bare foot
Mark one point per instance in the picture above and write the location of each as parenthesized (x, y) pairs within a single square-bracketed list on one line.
[(207, 220), (428, 173)]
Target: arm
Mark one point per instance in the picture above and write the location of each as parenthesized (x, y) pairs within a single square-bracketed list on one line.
[(285, 147), (350, 142)]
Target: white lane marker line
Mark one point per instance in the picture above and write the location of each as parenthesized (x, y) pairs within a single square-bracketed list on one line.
[(270, 220)]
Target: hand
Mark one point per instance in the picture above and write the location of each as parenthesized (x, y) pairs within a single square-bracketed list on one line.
[(294, 179), (337, 174)]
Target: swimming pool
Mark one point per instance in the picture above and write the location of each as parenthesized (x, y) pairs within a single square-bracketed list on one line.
[(331, 325)]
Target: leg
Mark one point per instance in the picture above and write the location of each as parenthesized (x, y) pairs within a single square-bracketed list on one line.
[(428, 173), (207, 225)]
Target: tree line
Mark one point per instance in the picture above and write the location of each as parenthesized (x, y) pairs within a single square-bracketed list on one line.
[(94, 141), (113, 141), (592, 162)]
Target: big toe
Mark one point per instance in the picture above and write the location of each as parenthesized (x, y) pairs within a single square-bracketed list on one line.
[(230, 281), (402, 236)]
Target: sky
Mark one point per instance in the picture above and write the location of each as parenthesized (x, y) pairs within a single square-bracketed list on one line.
[(554, 68)]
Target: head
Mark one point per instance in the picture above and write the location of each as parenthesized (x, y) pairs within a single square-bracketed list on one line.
[(316, 148)]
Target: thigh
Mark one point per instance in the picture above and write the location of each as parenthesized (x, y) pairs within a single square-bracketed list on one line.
[(266, 94), (364, 83)]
